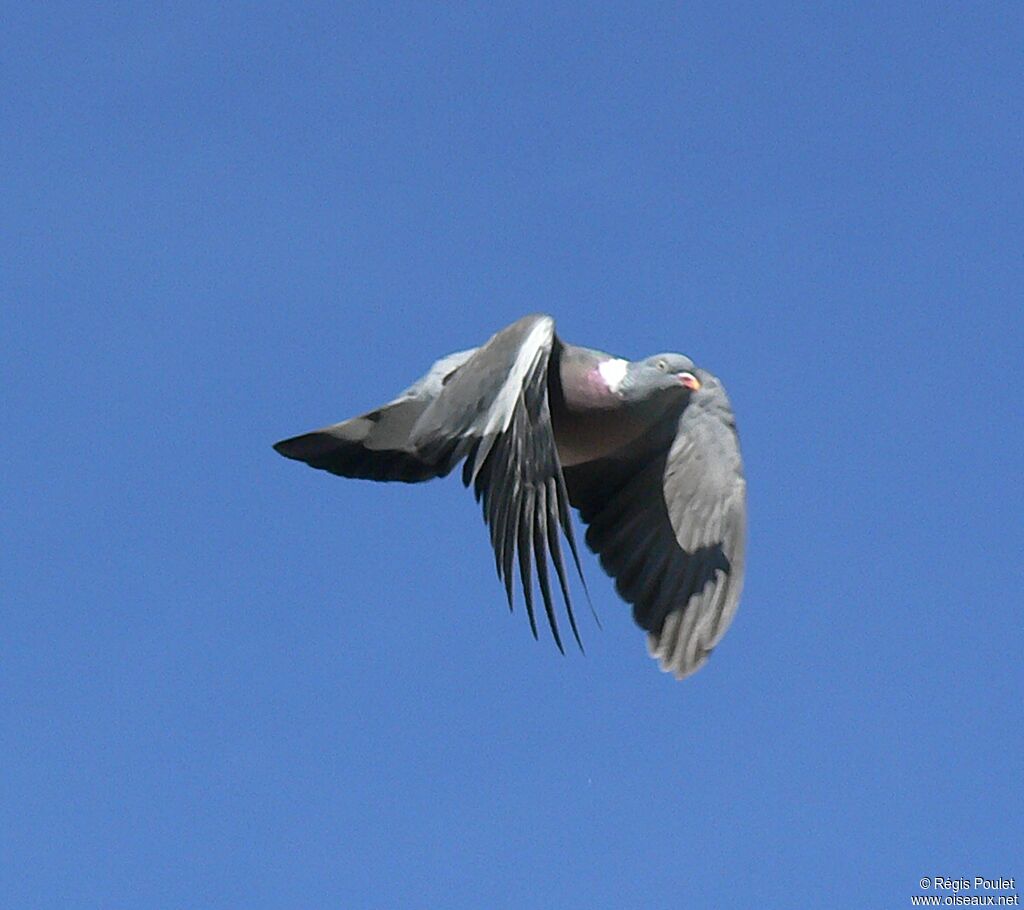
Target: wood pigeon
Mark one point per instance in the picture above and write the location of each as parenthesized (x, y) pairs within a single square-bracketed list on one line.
[(646, 451)]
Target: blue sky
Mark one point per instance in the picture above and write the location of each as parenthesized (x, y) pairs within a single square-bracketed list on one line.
[(229, 681)]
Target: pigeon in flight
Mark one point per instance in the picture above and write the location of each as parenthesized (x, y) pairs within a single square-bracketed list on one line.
[(646, 451)]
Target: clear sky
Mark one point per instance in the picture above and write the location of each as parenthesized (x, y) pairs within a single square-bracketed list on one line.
[(229, 681)]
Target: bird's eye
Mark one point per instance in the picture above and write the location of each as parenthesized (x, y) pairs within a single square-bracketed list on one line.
[(662, 365)]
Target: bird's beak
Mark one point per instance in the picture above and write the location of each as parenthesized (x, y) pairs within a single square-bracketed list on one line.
[(689, 380)]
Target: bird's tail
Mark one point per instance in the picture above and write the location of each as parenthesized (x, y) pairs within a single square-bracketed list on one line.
[(374, 446)]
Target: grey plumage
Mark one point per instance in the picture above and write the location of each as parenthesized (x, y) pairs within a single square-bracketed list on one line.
[(646, 451)]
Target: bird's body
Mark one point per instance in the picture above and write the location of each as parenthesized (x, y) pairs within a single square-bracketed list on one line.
[(646, 451), (589, 421)]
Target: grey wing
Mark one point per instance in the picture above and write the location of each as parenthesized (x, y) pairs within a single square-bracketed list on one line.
[(377, 445), (670, 528), (494, 412), (430, 386)]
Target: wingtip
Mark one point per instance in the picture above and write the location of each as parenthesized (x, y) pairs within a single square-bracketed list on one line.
[(294, 446), (304, 446), (670, 661)]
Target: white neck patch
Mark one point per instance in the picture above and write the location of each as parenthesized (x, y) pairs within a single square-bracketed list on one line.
[(613, 372)]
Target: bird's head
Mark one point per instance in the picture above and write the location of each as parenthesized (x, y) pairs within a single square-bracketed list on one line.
[(658, 376)]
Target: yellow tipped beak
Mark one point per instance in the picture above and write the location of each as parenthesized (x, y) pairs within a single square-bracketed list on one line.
[(690, 381)]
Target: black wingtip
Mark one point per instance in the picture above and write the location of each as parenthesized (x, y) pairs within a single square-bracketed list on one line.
[(299, 448)]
